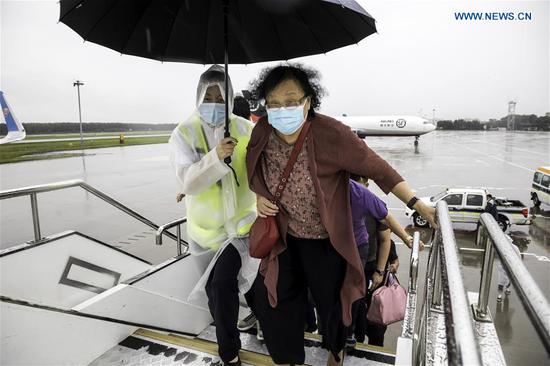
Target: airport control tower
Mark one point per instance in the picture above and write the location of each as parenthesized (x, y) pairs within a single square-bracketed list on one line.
[(511, 125)]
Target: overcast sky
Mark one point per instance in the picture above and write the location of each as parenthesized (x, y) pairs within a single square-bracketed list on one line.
[(421, 59)]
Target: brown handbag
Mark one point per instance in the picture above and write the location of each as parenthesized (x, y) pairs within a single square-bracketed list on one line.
[(264, 232)]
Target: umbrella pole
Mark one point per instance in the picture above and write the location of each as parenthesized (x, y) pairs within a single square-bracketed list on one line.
[(226, 83), (226, 56)]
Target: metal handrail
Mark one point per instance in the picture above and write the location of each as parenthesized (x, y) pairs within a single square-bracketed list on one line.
[(407, 342), (410, 311), (462, 348), (32, 191), (413, 271), (444, 293), (535, 303), (163, 228)]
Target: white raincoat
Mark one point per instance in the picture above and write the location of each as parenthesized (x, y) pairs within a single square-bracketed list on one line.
[(197, 171)]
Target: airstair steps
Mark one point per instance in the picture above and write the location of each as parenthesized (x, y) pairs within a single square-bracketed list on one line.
[(156, 297), (487, 338), (65, 269), (363, 354), (148, 347), (485, 334), (142, 245)]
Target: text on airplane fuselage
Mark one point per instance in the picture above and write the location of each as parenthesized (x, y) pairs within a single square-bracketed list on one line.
[(391, 123)]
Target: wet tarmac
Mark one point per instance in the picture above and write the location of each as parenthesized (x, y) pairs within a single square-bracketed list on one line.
[(141, 178)]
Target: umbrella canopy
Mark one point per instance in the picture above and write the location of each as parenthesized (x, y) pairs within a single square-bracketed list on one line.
[(219, 31), (193, 30)]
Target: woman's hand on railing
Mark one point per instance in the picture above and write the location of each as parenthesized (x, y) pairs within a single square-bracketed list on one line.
[(426, 212), (405, 194), (266, 207), (409, 243)]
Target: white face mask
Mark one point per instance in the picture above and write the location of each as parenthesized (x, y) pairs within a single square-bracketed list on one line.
[(286, 120), (213, 113)]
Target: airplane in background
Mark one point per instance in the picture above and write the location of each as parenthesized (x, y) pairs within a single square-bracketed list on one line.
[(363, 126), (388, 125), (16, 131)]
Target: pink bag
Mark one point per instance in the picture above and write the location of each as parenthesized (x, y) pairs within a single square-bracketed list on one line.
[(388, 302)]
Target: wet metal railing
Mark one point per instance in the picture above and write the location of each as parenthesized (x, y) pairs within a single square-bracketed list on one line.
[(444, 295), (462, 348), (33, 191), (406, 343), (536, 306), (409, 320), (177, 223)]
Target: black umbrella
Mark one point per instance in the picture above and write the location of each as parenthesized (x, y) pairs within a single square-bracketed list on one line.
[(216, 31)]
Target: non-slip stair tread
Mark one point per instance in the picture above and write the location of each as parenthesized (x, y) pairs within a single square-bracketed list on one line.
[(315, 354)]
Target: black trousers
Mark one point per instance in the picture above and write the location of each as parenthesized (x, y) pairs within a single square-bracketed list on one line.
[(374, 332), (305, 263), (222, 289), (359, 307)]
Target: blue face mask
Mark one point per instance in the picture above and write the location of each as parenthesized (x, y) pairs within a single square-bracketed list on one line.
[(213, 113), (286, 120)]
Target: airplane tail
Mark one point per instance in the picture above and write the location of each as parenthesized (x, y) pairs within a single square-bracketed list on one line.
[(16, 131)]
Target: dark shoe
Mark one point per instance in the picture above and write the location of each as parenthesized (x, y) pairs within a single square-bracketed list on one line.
[(311, 329), (219, 362), (247, 323), (350, 343)]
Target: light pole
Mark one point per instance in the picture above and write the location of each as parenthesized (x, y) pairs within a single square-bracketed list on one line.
[(78, 83)]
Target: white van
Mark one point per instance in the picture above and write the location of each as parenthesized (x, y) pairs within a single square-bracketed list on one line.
[(540, 190)]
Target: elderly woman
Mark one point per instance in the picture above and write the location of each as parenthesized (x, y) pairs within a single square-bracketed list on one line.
[(317, 249)]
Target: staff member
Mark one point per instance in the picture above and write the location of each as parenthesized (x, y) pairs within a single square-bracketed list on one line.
[(220, 206)]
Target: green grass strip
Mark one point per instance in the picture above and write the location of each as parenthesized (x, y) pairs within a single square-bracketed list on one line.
[(93, 134), (13, 152)]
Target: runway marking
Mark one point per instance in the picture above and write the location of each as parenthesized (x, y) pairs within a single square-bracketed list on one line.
[(512, 164), (478, 187), (482, 162), (431, 186), (156, 158), (541, 258), (494, 157), (507, 189), (515, 148)]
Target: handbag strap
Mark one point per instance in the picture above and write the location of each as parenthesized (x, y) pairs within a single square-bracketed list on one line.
[(388, 274), (283, 180)]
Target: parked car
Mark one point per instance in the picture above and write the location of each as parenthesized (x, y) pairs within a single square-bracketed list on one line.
[(540, 189), (467, 204)]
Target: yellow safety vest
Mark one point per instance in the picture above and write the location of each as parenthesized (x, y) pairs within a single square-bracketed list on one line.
[(205, 211)]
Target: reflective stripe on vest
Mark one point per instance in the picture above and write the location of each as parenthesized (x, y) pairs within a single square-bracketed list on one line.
[(205, 211)]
